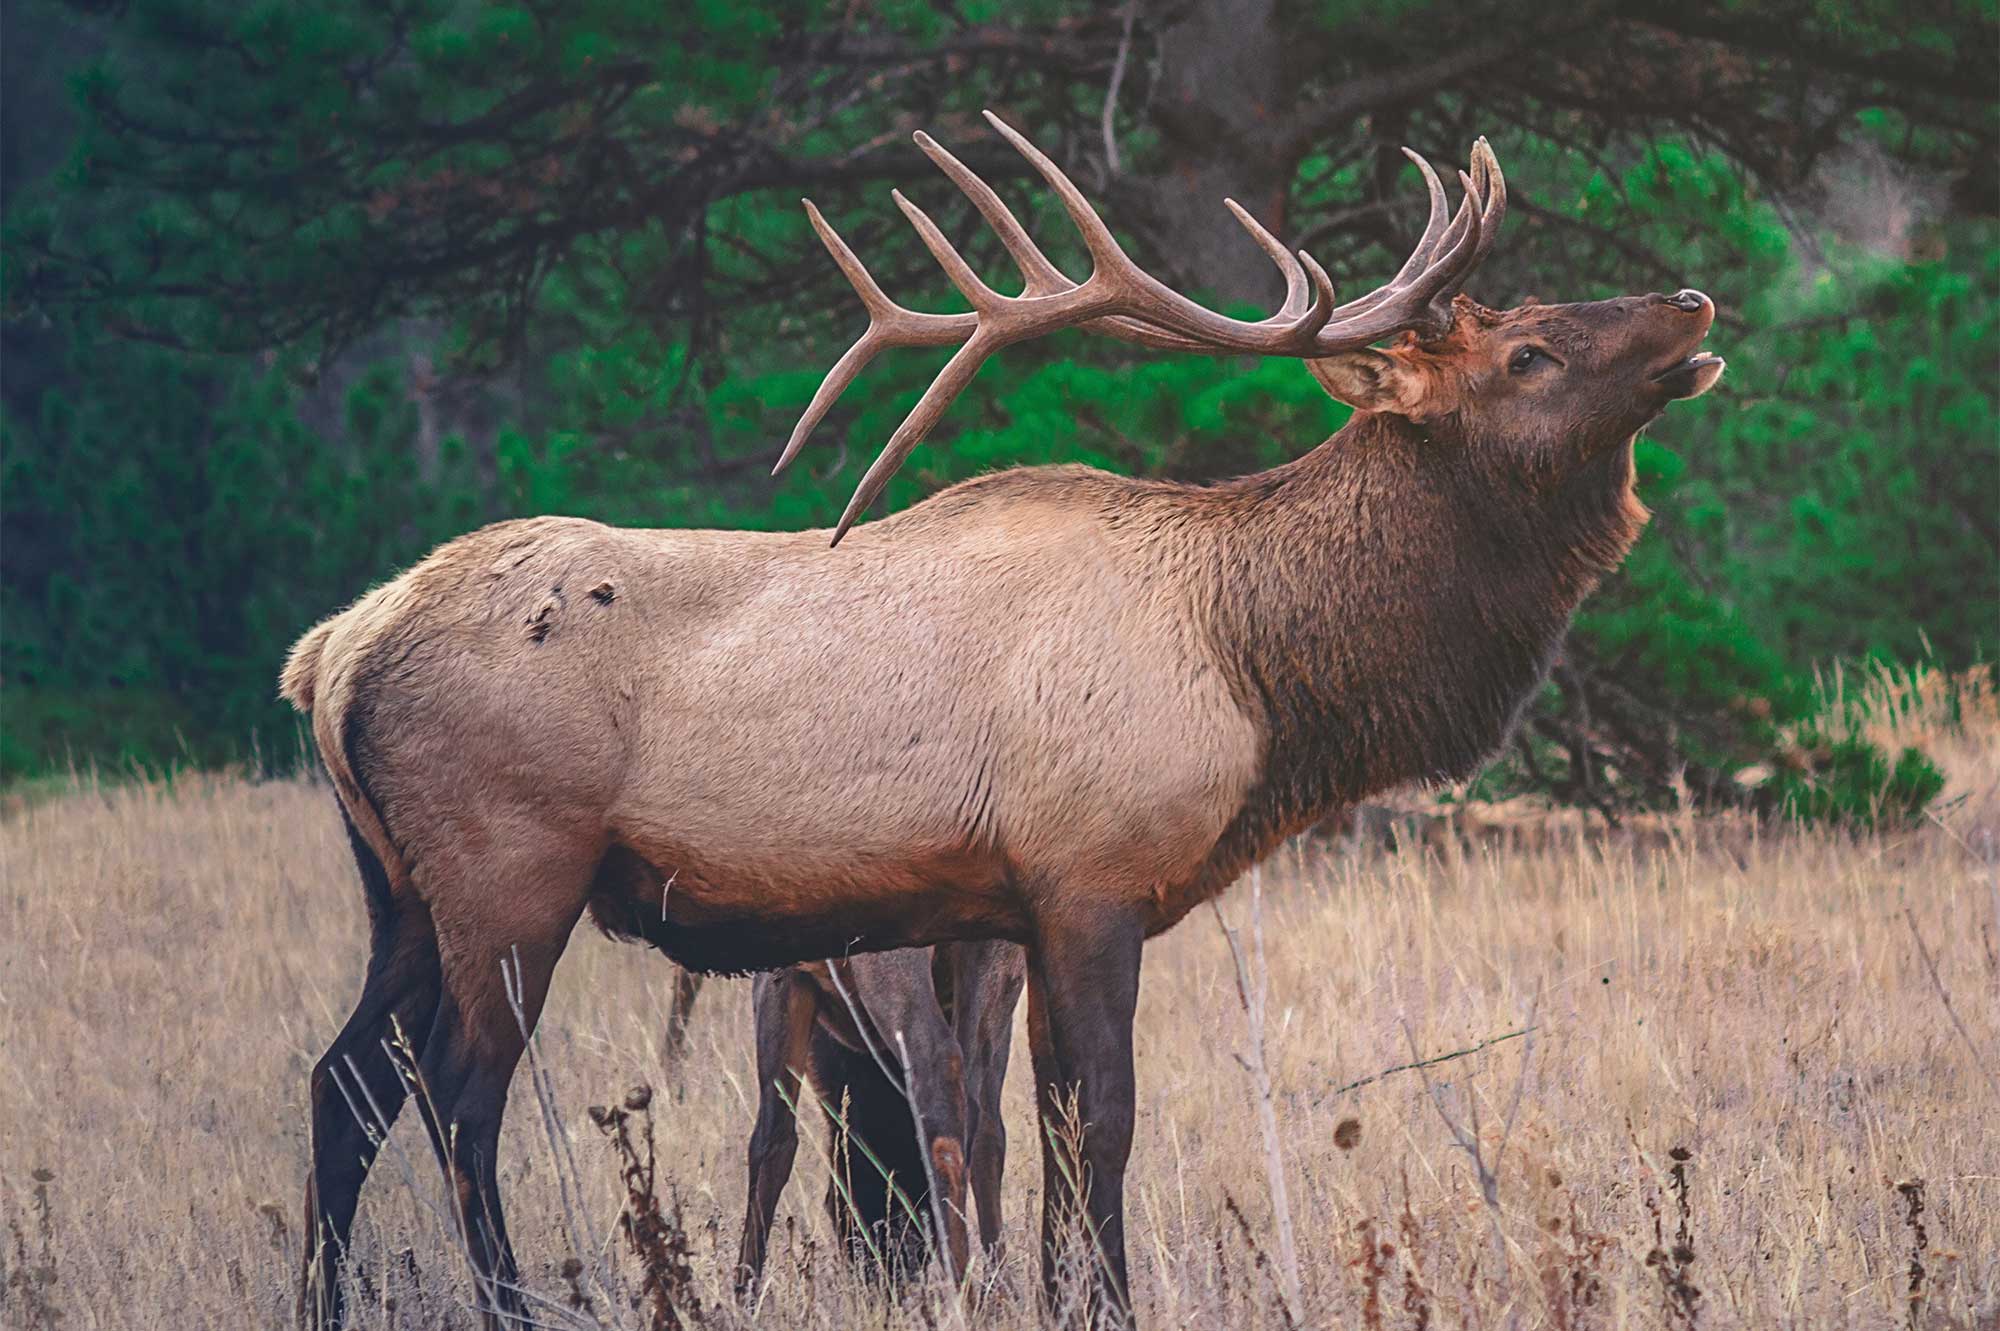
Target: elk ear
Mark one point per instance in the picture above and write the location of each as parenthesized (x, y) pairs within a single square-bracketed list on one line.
[(1371, 380)]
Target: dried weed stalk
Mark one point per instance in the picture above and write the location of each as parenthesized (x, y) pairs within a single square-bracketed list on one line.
[(1920, 1239), (658, 1240), (1254, 993), (28, 1284), (1258, 1256), (1468, 1136), (1673, 1265)]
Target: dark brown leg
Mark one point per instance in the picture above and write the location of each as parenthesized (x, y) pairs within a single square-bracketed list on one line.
[(467, 1064), (986, 987), (673, 1048), (1083, 986), (877, 1198), (355, 1089), (785, 1006), (896, 991), (510, 934)]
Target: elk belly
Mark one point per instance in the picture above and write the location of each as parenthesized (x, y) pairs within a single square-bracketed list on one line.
[(712, 921)]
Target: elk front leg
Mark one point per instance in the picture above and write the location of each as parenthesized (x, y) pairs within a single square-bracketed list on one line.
[(1083, 987), (785, 1006), (895, 991)]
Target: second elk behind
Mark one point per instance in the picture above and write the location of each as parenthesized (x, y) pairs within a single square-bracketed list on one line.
[(906, 1052)]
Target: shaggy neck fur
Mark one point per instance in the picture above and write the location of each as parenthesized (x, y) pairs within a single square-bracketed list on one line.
[(1387, 603)]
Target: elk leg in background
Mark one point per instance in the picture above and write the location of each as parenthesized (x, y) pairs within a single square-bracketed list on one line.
[(898, 998), (1083, 988), (986, 983), (785, 1007), (877, 1197), (355, 1080), (673, 1047)]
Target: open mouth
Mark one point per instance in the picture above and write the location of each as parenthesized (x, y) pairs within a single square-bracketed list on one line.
[(1691, 377)]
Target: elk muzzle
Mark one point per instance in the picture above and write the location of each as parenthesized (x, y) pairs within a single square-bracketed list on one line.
[(1692, 371)]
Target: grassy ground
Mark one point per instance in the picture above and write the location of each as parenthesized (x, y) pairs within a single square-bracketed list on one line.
[(1743, 1102)]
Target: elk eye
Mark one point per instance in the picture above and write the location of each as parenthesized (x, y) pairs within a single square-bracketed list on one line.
[(1524, 359)]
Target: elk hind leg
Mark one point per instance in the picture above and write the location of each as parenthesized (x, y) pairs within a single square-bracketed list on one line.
[(356, 1090), (673, 1047), (899, 997), (785, 1008), (502, 920), (987, 978), (876, 1196)]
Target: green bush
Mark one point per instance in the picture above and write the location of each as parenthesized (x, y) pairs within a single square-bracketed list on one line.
[(1849, 781)]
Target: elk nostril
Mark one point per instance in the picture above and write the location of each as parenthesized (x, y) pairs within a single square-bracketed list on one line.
[(1687, 298)]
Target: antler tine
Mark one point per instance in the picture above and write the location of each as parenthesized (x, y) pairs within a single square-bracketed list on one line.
[(1322, 287), (1441, 229), (1463, 223), (844, 372), (1039, 275), (889, 325), (1160, 305), (873, 299), (981, 296), (1042, 277), (1468, 247), (1485, 162), (951, 381), (1433, 225), (1110, 257), (1097, 237), (1427, 300), (1137, 329), (1295, 276)]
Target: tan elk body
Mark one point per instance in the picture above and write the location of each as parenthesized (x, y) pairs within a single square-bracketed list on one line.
[(1036, 671), (1051, 706)]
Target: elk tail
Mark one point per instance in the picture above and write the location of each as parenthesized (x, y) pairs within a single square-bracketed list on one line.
[(298, 683), (319, 679)]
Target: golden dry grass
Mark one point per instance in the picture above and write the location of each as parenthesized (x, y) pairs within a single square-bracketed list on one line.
[(173, 957)]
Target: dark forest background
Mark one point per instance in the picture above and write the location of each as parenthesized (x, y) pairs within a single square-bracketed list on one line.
[(294, 291)]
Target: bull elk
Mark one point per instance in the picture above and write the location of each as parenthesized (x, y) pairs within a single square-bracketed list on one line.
[(1051, 706)]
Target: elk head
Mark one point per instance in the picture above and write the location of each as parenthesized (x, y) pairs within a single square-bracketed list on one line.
[(1543, 389), (1540, 390)]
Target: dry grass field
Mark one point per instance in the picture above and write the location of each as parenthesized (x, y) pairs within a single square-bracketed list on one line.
[(1745, 1100)]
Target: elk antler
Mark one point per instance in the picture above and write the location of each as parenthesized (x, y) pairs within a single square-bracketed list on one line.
[(1121, 300)]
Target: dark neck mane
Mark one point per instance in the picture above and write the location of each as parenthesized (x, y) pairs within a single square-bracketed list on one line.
[(1387, 604)]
